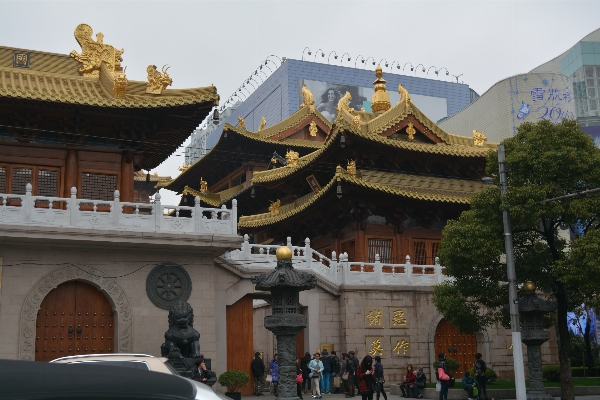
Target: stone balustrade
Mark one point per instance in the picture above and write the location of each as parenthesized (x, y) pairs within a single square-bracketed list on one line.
[(116, 215), (339, 271)]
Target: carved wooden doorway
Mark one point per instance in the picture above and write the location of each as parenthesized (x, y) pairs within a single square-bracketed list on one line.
[(460, 346), (74, 319)]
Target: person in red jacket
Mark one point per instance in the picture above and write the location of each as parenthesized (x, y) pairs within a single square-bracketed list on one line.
[(364, 374), (408, 386)]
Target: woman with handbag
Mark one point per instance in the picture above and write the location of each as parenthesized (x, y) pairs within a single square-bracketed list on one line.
[(366, 382), (443, 376), (316, 368), (379, 378)]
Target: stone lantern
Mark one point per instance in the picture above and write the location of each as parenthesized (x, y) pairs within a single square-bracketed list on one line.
[(285, 283), (533, 334)]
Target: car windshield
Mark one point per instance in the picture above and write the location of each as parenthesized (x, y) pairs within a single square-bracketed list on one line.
[(117, 363)]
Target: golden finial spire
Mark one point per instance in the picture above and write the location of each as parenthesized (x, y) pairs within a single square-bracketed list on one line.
[(380, 100)]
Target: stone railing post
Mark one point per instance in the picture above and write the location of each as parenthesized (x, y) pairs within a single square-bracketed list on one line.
[(246, 250), (158, 212), (378, 269), (117, 209), (438, 270), (345, 267), (28, 204), (308, 253), (335, 267), (408, 270), (73, 207), (197, 215), (234, 219)]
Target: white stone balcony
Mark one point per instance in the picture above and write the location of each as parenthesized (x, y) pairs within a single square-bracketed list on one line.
[(29, 210), (339, 271)]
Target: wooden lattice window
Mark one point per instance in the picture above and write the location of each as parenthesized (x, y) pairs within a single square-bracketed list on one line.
[(424, 251), (348, 247), (3, 180), (383, 247), (98, 186), (20, 178), (47, 183)]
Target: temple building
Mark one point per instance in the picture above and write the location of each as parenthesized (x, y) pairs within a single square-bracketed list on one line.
[(362, 202)]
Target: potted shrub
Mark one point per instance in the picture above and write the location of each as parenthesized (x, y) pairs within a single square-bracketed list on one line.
[(234, 380)]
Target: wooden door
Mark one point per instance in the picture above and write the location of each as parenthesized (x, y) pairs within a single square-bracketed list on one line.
[(460, 346), (240, 339), (75, 318)]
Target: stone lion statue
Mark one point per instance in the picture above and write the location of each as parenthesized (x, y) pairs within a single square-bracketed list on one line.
[(181, 340)]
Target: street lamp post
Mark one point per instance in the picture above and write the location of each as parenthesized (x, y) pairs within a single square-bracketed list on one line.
[(513, 301)]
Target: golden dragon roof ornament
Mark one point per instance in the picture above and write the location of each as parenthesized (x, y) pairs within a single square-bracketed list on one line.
[(93, 53), (479, 138), (241, 123), (274, 207), (309, 100), (291, 157), (157, 81)]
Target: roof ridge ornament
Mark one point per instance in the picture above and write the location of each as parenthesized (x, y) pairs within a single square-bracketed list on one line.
[(309, 100), (263, 123), (93, 53), (380, 100), (479, 138), (157, 81), (410, 131), (312, 128), (241, 123)]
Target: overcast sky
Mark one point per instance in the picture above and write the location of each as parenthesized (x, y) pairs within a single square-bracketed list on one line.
[(223, 42)]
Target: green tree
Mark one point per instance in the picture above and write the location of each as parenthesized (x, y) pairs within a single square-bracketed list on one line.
[(543, 161)]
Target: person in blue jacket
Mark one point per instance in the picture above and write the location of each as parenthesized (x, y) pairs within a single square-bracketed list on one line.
[(274, 371), (468, 383)]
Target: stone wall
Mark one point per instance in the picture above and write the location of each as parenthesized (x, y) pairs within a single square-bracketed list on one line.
[(120, 272)]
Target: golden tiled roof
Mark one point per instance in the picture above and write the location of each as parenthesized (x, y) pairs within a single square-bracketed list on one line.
[(419, 187), (258, 137), (141, 176), (55, 77), (293, 120), (459, 150), (402, 109), (214, 199)]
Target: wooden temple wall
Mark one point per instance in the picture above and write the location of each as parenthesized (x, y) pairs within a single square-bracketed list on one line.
[(53, 172), (419, 243)]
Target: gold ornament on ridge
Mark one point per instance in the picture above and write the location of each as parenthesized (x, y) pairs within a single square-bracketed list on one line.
[(184, 167), (309, 100), (274, 207), (157, 81), (479, 138), (263, 123), (380, 100), (203, 185), (356, 121), (93, 53), (291, 157), (241, 123)]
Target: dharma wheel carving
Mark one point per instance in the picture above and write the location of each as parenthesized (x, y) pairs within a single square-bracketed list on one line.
[(168, 283)]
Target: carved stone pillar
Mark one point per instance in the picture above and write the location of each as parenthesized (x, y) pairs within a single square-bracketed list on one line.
[(285, 283)]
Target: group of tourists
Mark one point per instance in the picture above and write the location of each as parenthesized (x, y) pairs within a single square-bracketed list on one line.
[(474, 386), (314, 374)]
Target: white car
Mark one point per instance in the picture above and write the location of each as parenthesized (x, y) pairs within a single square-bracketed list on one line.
[(141, 362)]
